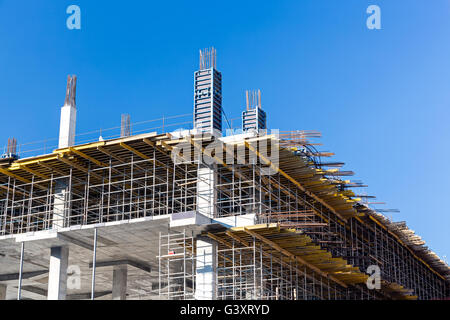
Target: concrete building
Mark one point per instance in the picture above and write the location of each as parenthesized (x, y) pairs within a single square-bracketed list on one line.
[(194, 215)]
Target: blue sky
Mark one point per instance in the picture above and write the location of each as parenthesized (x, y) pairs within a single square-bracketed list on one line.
[(380, 98)]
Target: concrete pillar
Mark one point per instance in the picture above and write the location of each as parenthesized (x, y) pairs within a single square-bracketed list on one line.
[(3, 291), (57, 275), (67, 126), (206, 191), (60, 203), (119, 289), (205, 283)]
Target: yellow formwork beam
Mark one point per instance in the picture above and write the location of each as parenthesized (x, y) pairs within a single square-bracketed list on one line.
[(79, 167), (136, 152), (36, 173), (80, 147), (48, 167), (218, 239), (13, 175), (16, 164), (109, 153), (143, 156), (72, 164), (154, 145), (85, 156), (165, 145)]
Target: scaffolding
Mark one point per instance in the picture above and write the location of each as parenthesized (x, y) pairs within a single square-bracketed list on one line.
[(252, 267), (136, 177), (176, 266)]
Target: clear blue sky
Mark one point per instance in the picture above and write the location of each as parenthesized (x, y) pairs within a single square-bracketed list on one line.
[(381, 98)]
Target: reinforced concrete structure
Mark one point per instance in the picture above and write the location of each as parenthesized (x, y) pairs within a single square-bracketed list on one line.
[(208, 94), (253, 118), (194, 215)]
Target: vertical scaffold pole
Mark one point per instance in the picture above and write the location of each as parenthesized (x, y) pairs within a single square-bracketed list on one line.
[(184, 263), (94, 258), (254, 268), (159, 266), (19, 288)]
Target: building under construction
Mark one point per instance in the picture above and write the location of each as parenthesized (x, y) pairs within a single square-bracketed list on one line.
[(196, 214)]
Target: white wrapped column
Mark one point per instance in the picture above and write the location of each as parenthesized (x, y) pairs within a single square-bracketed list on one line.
[(206, 191), (205, 270)]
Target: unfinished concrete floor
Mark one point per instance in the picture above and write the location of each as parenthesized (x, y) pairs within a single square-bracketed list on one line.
[(134, 243)]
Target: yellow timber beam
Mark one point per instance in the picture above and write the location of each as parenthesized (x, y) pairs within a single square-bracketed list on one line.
[(165, 145), (16, 164), (80, 147), (85, 156), (153, 144), (72, 164), (13, 175), (112, 155), (143, 156), (48, 167), (219, 239), (136, 152), (236, 238), (36, 173), (81, 168)]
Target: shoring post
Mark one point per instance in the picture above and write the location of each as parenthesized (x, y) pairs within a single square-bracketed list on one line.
[(94, 258), (19, 287)]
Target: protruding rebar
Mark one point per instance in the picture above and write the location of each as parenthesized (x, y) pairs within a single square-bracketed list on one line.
[(12, 146), (253, 99), (208, 58), (71, 91), (125, 126)]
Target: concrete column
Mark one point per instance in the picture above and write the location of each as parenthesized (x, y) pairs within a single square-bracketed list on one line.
[(119, 289), (3, 291), (57, 275), (206, 191), (60, 203), (67, 126), (205, 283)]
